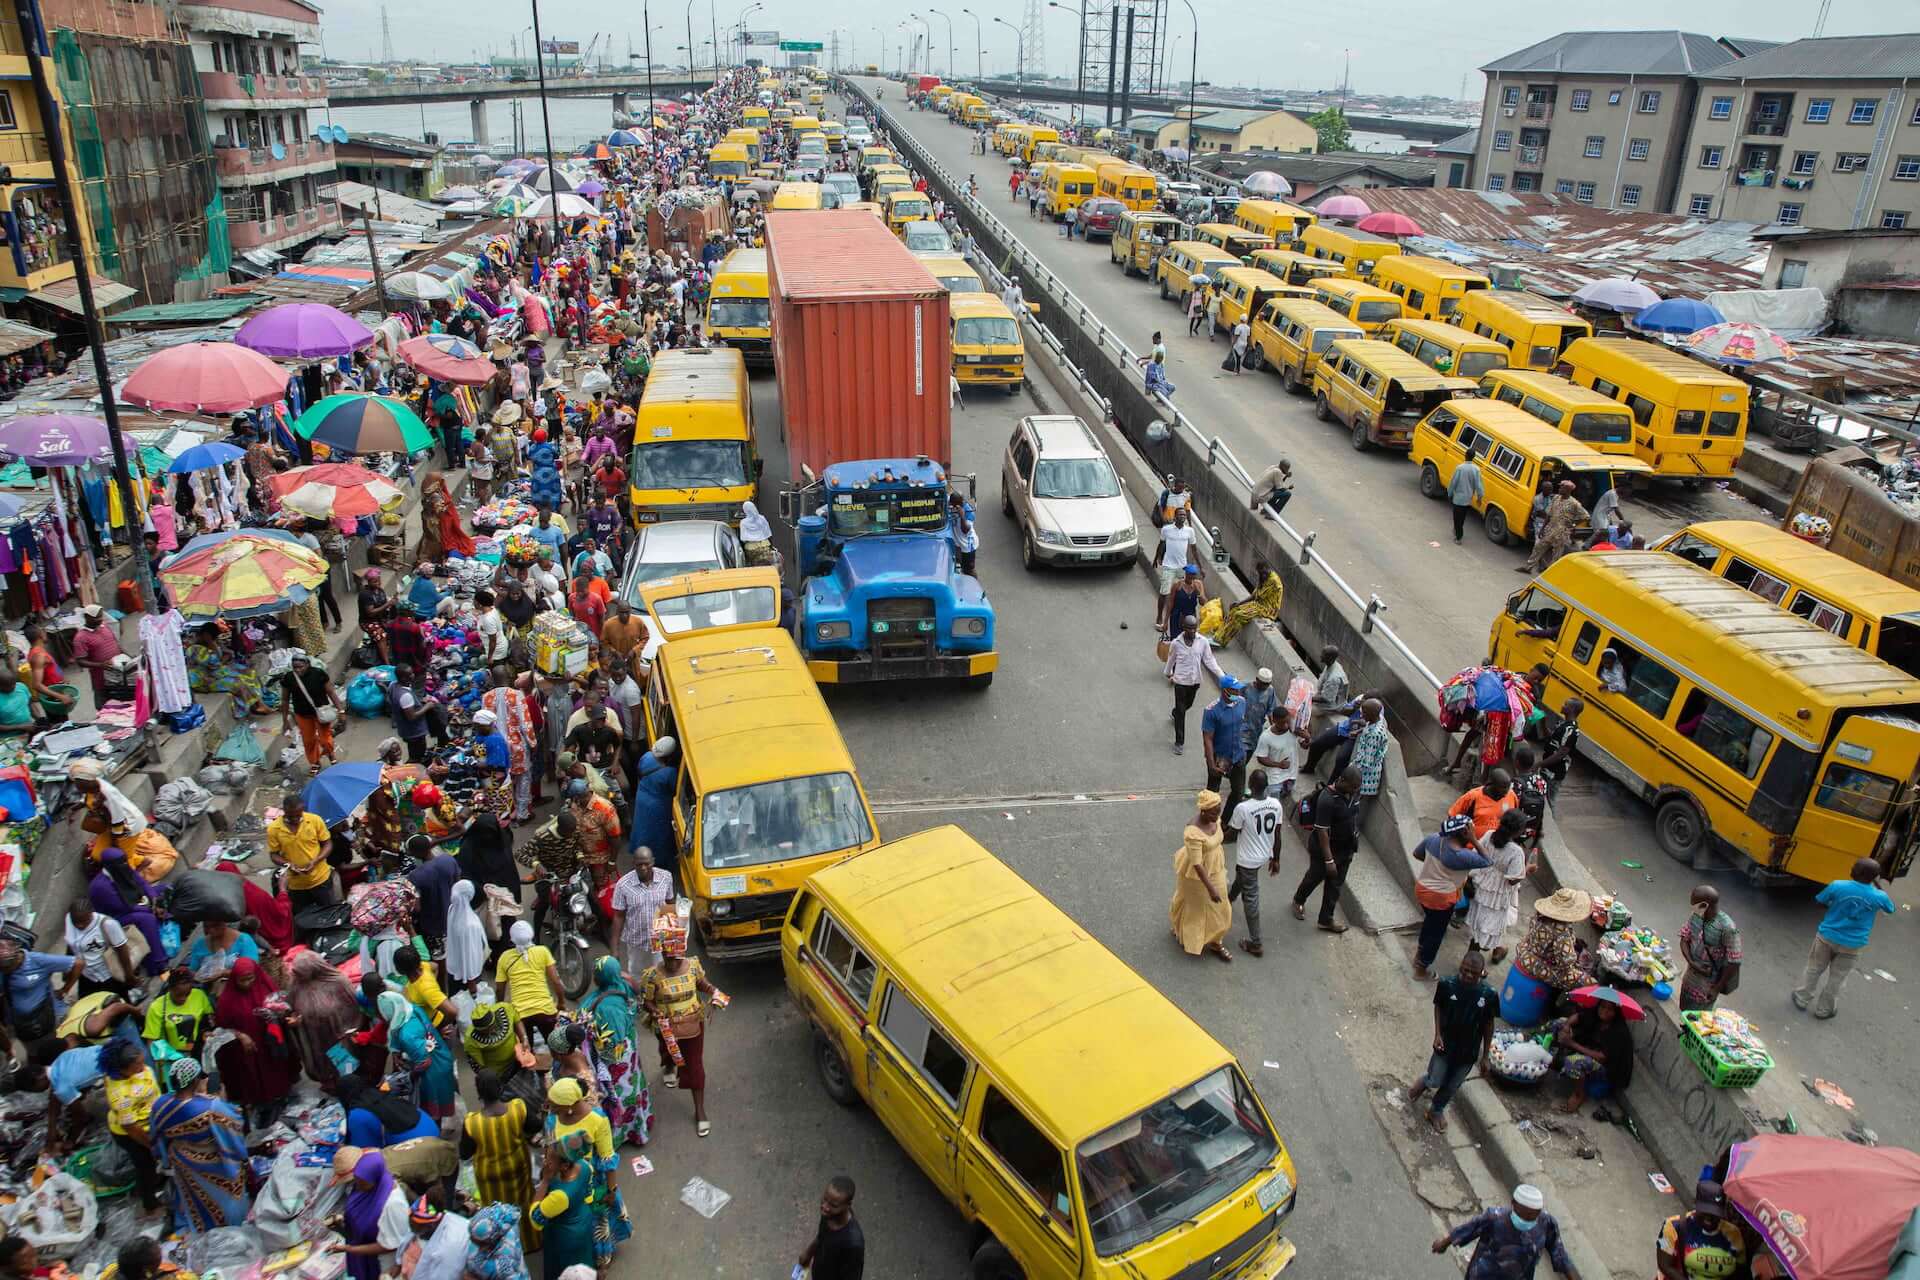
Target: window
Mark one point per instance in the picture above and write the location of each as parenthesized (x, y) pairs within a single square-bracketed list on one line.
[(841, 957), (1584, 193), (1026, 1151), (1789, 215), (1563, 186), (6, 110), (924, 1046), (1856, 793), (1825, 616), (1508, 461), (1510, 96), (1819, 110), (1722, 109), (1700, 206), (1642, 407), (1723, 733), (1542, 611), (1630, 196), (1893, 219), (1496, 182), (1863, 110), (1613, 99), (1907, 169), (1650, 686), (1751, 577), (1503, 139), (1793, 273), (1583, 644), (1850, 161), (1606, 388), (1805, 162), (1581, 100), (1639, 148), (1595, 148), (1649, 101), (1915, 117), (1710, 157), (1695, 550), (1526, 182)]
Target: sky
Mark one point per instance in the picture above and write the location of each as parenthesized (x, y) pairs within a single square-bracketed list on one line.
[(1397, 46)]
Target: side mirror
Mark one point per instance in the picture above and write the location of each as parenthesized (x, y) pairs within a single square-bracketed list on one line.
[(759, 467)]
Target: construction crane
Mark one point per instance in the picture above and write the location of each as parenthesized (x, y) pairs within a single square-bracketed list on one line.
[(586, 58), (1820, 20)]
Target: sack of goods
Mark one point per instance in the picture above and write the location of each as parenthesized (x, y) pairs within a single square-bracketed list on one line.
[(561, 645), (1515, 1057)]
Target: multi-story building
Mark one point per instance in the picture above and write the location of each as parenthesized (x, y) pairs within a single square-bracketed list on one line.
[(392, 163), (1599, 117), (1816, 133), (270, 166)]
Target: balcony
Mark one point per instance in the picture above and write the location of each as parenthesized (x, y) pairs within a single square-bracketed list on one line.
[(1532, 155), (24, 147), (1539, 111), (1755, 177), (228, 89), (127, 19), (281, 229), (246, 166), (1775, 127), (1802, 183)]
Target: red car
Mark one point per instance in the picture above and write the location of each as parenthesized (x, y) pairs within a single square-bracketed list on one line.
[(1099, 216)]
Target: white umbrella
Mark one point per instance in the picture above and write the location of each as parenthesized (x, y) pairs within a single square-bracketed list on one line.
[(567, 204), (417, 285), (1265, 182)]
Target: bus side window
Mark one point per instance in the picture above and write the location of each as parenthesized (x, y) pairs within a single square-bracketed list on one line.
[(1650, 686), (687, 800), (1544, 613), (1643, 412), (1696, 549), (1820, 613), (1723, 733), (1756, 580), (1584, 643)]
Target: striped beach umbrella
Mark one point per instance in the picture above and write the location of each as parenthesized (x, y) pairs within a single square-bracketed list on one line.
[(333, 490), (242, 573), (356, 423)]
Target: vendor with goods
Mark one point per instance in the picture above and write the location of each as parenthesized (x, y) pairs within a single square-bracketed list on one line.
[(1710, 946)]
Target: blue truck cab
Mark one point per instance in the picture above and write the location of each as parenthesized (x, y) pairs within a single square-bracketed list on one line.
[(881, 593)]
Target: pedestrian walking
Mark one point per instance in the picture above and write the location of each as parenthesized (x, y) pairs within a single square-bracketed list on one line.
[(1446, 858), (1223, 736), (1262, 698), (838, 1250), (1333, 838), (1555, 539), (1237, 353), (1465, 488), (1066, 222), (1496, 886), (1273, 489), (1256, 827), (1187, 655), (1486, 802), (1214, 299), (1189, 595), (1509, 1239), (1196, 310), (1171, 560), (1710, 946), (1200, 914), (1464, 1010), (1843, 934)]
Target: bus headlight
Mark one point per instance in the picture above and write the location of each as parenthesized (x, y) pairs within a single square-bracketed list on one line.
[(825, 631), (974, 627)]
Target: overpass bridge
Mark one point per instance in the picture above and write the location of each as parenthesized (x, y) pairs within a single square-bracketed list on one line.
[(1137, 103), (618, 88)]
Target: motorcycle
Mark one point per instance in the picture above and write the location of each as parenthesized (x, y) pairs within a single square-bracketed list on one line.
[(566, 922)]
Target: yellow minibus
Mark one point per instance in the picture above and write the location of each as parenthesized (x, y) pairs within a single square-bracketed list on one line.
[(898, 208), (1244, 291), (1379, 391), (1238, 241), (1182, 260), (1139, 238), (1357, 252), (1131, 185), (1290, 335), (1430, 287), (1587, 416), (987, 346), (796, 195), (1064, 187), (1690, 419), (1294, 268), (1275, 218), (1443, 347), (955, 274), (738, 311), (1535, 329), (1358, 301), (693, 451), (728, 160)]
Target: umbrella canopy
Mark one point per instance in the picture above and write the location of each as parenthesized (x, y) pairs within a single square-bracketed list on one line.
[(57, 439), (447, 195), (1829, 1209), (570, 206), (241, 573), (210, 377), (450, 359), (590, 188), (336, 792), (303, 331), (1677, 315), (1350, 208), (1265, 182), (1587, 997), (1176, 154), (1739, 342), (1616, 294), (623, 138), (595, 151), (333, 490), (545, 179), (203, 457), (357, 423), (1389, 224), (515, 167), (417, 285)]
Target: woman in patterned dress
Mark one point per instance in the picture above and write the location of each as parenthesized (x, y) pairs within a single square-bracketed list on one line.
[(203, 1142), (626, 1100)]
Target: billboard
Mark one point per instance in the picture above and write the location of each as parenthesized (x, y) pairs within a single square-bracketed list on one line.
[(763, 37), (560, 46), (800, 46)]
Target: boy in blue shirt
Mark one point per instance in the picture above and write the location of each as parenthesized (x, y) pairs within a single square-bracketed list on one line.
[(1851, 906)]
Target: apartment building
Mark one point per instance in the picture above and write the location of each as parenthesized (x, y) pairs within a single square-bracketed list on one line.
[(271, 168), (1816, 133), (1599, 117)]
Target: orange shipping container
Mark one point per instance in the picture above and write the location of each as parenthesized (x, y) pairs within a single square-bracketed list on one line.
[(860, 341)]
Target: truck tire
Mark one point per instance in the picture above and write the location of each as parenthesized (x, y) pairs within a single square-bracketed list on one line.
[(1680, 829), (991, 1261), (1290, 379), (1321, 409), (835, 1078), (1496, 525), (1430, 485), (1256, 360)]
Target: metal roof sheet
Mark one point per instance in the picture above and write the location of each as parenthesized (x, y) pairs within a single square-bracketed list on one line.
[(1676, 53), (1888, 57), (205, 310)]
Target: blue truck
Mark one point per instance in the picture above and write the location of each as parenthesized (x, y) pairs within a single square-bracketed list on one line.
[(881, 592)]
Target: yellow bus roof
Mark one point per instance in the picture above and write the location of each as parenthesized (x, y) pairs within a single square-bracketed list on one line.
[(1663, 364), (1254, 278), (1514, 425), (1826, 573), (1522, 305), (1026, 990), (1447, 335), (728, 151), (695, 377), (978, 304), (1315, 315), (747, 710), (1275, 208), (1352, 288), (1203, 251), (741, 262), (1729, 640), (1435, 268), (1385, 358), (1321, 231), (1553, 387)]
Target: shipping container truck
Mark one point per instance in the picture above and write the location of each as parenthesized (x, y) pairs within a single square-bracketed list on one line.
[(860, 348)]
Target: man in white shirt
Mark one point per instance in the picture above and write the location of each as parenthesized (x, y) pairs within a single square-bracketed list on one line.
[(1188, 655), (544, 583), (1277, 752), (492, 631), (1170, 561), (90, 936), (1256, 822)]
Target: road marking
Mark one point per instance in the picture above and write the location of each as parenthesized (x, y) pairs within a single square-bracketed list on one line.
[(1030, 800)]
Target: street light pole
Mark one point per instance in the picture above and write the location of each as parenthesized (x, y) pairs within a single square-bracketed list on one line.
[(646, 16), (546, 124), (979, 41), (692, 52), (952, 73), (1080, 74), (921, 18), (1193, 82), (1019, 49)]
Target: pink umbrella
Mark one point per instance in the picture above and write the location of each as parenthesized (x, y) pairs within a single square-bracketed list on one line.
[(1345, 207), (209, 377), (1386, 224)]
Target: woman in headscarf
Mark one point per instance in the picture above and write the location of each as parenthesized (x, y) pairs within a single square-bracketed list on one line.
[(671, 995), (574, 1059), (1200, 912), (273, 910), (376, 1118), (116, 821), (493, 1036), (531, 982), (756, 534), (203, 1142), (564, 1208), (573, 1125), (466, 938), (486, 856), (616, 1043), (122, 894), (425, 1052), (496, 1139), (493, 1243), (514, 717), (323, 1012), (376, 1224), (258, 1068)]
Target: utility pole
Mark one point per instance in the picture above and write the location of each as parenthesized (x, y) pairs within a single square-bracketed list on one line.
[(1346, 81), (546, 125), (35, 36), (373, 256), (386, 37), (1126, 69), (647, 17), (1113, 66)]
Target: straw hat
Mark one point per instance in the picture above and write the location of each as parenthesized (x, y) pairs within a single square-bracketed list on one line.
[(507, 413), (1568, 906)]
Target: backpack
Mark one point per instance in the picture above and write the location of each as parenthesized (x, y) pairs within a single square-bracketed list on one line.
[(1303, 809)]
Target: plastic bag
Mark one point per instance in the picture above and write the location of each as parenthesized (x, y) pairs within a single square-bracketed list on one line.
[(365, 697), (226, 1248), (463, 1007), (1212, 614), (703, 1197), (58, 1216), (120, 1223), (181, 803), (207, 895)]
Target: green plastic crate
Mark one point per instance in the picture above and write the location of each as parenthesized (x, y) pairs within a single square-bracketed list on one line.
[(1718, 1073)]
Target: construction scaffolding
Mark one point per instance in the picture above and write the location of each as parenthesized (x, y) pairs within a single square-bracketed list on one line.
[(1122, 53)]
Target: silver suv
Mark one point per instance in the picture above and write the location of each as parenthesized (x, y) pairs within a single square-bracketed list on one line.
[(1058, 484)]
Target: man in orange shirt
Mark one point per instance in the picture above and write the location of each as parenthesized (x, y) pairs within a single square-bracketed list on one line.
[(1486, 802), (622, 633)]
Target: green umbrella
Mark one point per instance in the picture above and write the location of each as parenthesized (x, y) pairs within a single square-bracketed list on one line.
[(356, 423)]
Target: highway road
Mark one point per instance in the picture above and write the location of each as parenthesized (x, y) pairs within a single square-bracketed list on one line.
[(1382, 536)]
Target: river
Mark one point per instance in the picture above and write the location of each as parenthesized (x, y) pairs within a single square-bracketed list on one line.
[(574, 121)]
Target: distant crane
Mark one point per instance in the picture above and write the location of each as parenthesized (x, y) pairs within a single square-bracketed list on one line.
[(386, 37), (1820, 19)]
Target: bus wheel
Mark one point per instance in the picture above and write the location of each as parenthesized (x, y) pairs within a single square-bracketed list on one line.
[(834, 1076), (1430, 484), (991, 1261), (1496, 525), (1357, 437), (1321, 409), (1680, 829), (1164, 295), (1288, 379)]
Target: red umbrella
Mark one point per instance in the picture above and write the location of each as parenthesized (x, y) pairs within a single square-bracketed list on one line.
[(447, 358), (209, 377), (1826, 1207), (1387, 223), (1587, 997), (335, 489)]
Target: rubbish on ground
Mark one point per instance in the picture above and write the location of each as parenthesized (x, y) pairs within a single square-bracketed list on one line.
[(1884, 975), (703, 1197), (1829, 1092), (642, 1166), (1660, 1183), (1271, 1064), (1632, 866)]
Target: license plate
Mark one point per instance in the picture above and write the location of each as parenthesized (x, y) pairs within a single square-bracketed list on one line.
[(728, 886), (1093, 555), (1273, 1191)]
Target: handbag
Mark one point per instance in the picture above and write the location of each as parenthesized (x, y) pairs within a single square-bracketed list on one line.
[(687, 1026)]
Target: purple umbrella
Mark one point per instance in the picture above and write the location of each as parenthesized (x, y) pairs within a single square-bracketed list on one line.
[(591, 187), (57, 439), (1616, 295), (303, 331), (1350, 208)]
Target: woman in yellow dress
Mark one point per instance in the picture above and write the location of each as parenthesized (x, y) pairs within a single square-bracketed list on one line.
[(1200, 912)]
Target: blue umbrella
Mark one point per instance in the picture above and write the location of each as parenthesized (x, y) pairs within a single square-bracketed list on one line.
[(336, 792), (215, 453), (623, 138), (1677, 315)]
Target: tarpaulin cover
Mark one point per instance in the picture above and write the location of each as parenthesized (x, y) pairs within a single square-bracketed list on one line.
[(1791, 313), (1829, 1210)]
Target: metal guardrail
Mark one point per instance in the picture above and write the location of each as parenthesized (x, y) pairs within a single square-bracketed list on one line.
[(1219, 454)]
